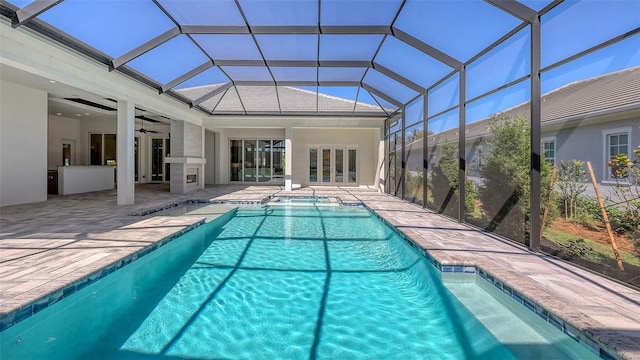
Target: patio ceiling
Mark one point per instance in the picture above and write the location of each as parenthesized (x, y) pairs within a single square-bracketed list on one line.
[(252, 57)]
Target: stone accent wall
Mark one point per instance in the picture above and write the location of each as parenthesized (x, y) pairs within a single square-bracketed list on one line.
[(187, 156)]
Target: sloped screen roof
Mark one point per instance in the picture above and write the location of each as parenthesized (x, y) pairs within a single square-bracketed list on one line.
[(359, 57)]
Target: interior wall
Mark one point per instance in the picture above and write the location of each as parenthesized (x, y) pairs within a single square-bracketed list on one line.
[(365, 140), (23, 144), (60, 130)]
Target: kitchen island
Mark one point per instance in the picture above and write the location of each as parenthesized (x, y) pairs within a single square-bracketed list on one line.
[(81, 179)]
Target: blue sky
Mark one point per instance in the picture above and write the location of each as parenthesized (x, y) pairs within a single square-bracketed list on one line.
[(458, 28)]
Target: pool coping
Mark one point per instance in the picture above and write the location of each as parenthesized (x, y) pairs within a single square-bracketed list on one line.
[(15, 316), (569, 328)]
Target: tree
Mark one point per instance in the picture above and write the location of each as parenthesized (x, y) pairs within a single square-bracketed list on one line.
[(627, 193), (445, 182), (572, 182), (505, 189), (415, 135)]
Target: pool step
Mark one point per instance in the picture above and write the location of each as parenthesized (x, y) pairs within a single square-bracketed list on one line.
[(520, 330)]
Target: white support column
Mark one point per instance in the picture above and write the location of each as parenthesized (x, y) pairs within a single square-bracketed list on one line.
[(380, 168), (288, 158), (125, 142), (204, 159)]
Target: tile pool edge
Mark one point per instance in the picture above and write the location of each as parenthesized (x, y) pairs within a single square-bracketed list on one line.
[(602, 348), (18, 314)]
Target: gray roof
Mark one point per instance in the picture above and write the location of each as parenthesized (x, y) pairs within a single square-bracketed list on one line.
[(591, 95), (605, 92), (268, 99)]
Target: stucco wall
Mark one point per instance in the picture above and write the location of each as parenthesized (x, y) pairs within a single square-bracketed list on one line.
[(590, 142), (23, 144)]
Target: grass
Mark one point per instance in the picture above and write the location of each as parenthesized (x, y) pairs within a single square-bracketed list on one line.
[(601, 253)]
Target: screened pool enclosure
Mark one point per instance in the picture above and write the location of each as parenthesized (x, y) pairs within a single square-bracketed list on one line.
[(477, 101)]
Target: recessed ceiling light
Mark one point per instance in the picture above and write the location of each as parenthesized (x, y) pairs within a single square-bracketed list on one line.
[(78, 114), (58, 114), (87, 114), (52, 81)]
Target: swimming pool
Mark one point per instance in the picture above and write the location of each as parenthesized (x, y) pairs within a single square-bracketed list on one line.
[(287, 282)]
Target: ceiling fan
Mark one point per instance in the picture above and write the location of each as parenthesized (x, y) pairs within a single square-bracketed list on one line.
[(142, 130)]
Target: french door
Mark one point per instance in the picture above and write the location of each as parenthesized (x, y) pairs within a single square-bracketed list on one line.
[(333, 165)]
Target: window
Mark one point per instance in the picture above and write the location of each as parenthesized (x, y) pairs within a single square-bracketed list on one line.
[(549, 151), (616, 141), (102, 149), (618, 144)]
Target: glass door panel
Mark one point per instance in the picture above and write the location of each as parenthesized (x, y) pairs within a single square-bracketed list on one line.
[(96, 149), (264, 160), (338, 165), (236, 160), (250, 160), (326, 165), (313, 165), (278, 159), (136, 159), (109, 149), (352, 166), (167, 166), (157, 155)]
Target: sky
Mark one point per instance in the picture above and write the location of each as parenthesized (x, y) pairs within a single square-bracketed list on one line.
[(460, 29)]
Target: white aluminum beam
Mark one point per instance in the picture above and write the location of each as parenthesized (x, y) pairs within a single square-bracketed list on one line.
[(211, 94), (149, 45), (184, 77), (32, 10)]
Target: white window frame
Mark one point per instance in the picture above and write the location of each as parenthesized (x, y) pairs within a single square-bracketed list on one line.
[(606, 174), (549, 139)]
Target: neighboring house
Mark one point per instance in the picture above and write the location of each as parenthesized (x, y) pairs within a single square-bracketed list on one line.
[(588, 120)]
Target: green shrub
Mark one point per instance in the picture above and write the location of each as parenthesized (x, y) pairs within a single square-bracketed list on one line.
[(576, 248), (620, 220)]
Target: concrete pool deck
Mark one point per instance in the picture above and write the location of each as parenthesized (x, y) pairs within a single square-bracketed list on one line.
[(47, 246)]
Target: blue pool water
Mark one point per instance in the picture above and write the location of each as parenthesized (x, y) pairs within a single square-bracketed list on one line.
[(284, 282)]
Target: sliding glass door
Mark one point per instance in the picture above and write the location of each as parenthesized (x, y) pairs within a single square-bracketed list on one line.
[(256, 160)]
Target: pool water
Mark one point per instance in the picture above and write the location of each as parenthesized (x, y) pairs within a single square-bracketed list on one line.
[(285, 282)]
